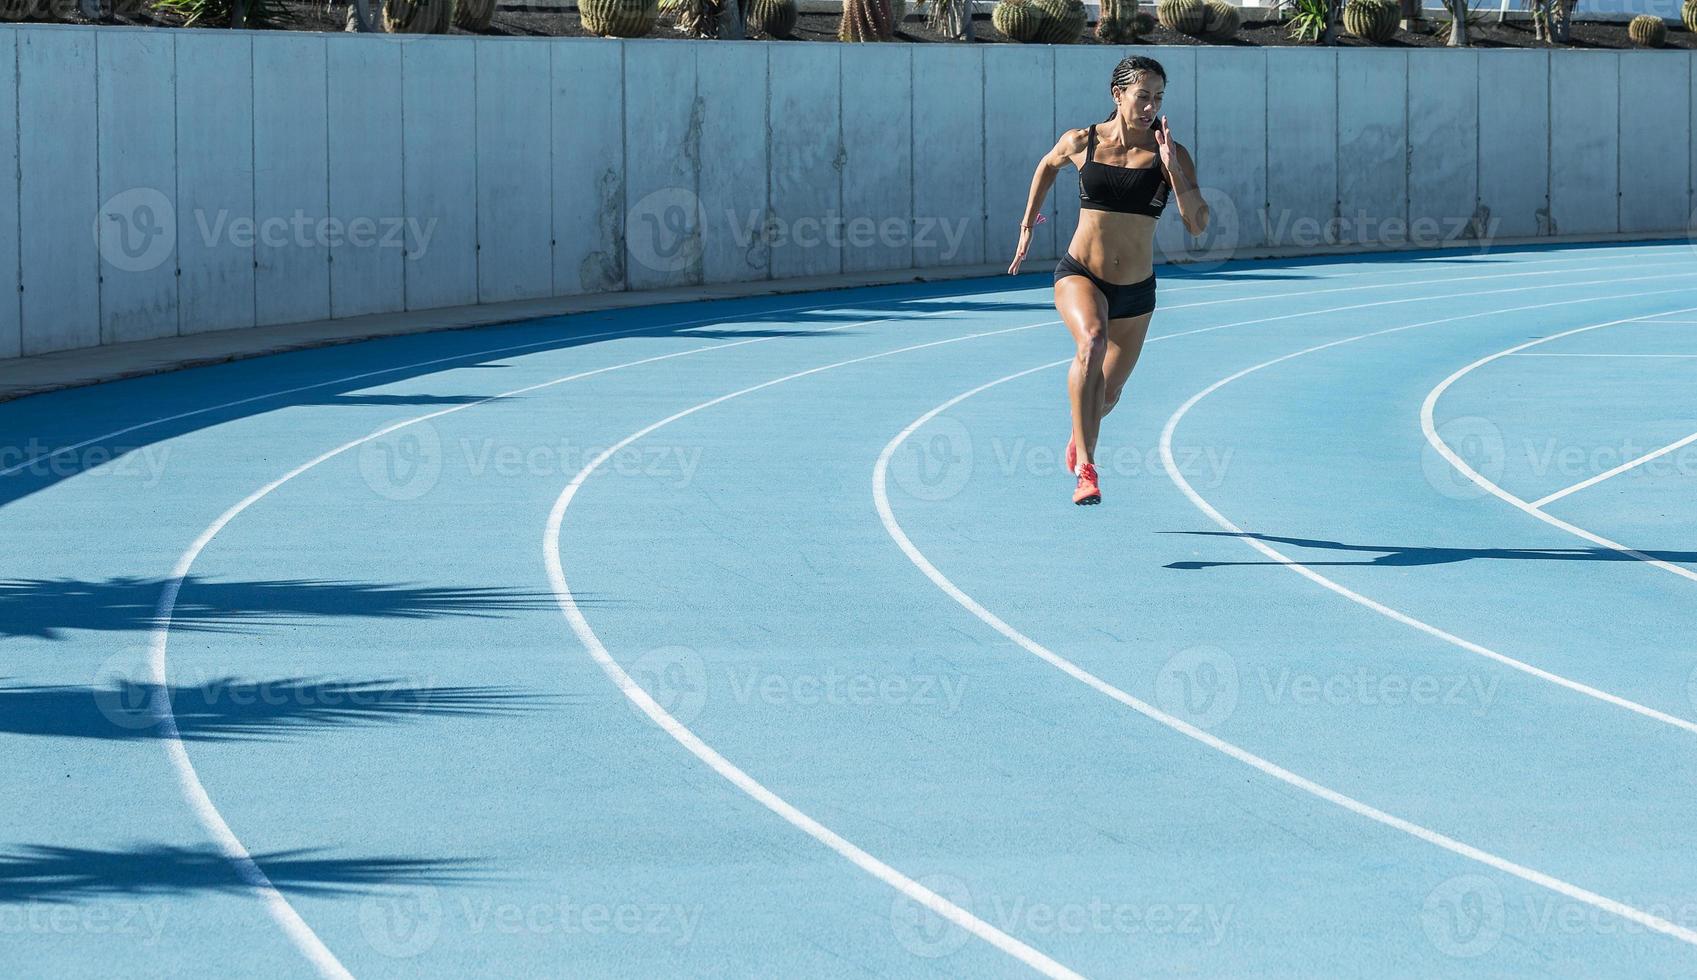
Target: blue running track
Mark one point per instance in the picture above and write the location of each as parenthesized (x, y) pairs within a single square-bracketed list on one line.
[(761, 637)]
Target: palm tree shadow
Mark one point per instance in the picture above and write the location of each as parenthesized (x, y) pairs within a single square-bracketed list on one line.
[(227, 709), (50, 873), (45, 608), (1392, 556)]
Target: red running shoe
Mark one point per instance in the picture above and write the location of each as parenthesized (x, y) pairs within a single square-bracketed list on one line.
[(1088, 492), (1072, 456)]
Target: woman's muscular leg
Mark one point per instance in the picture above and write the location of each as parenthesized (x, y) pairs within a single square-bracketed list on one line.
[(1125, 343), (1085, 311)]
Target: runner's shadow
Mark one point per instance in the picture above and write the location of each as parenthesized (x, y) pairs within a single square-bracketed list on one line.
[(1391, 556), (50, 873)]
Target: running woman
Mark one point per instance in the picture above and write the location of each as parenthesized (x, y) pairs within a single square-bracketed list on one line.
[(1105, 284)]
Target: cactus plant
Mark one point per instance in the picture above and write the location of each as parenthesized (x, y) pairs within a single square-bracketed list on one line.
[(1647, 31), (865, 20), (1063, 21), (1220, 20), (773, 18), (1121, 22), (1184, 16), (618, 18), (693, 18), (1017, 20), (1372, 20), (474, 15), (418, 16), (1688, 13)]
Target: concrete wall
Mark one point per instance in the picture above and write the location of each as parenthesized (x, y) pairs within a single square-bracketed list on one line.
[(168, 182)]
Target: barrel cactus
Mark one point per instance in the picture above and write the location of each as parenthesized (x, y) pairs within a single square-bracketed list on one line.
[(1220, 20), (1688, 13), (773, 18), (1017, 20), (619, 18), (1184, 16), (1063, 21), (418, 16), (474, 15), (1372, 20), (1647, 31)]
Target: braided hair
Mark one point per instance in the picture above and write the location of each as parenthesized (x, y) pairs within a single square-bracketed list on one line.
[(1130, 70)]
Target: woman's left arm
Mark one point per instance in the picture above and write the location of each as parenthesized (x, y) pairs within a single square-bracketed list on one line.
[(1181, 175)]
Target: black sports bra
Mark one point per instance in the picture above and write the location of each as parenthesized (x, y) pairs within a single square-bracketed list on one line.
[(1127, 190)]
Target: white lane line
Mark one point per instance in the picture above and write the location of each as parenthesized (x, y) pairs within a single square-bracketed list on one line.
[(1390, 267), (1465, 469), (1226, 524), (757, 791), (200, 802), (1622, 468), (195, 792), (625, 332), (1422, 282), (564, 340), (1541, 354), (881, 500)]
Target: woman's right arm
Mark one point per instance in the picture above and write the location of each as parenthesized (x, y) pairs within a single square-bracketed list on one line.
[(1053, 162)]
